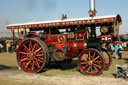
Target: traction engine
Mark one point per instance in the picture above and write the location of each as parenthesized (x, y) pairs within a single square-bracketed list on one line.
[(63, 40)]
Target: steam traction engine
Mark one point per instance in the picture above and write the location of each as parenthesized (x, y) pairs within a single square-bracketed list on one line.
[(65, 39)]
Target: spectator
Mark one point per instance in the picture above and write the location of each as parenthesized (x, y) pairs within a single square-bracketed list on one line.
[(1, 46), (120, 51), (124, 45), (22, 35), (116, 50), (111, 48), (103, 46), (7, 45)]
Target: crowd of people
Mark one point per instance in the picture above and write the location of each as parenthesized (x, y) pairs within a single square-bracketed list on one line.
[(7, 46), (115, 49)]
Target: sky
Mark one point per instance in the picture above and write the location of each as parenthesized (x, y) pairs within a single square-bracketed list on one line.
[(20, 11)]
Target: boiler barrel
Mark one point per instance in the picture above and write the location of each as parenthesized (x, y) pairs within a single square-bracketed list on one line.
[(77, 46)]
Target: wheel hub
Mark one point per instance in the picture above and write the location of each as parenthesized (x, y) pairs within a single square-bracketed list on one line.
[(31, 55), (90, 62)]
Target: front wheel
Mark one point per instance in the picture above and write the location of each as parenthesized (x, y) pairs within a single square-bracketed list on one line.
[(91, 62)]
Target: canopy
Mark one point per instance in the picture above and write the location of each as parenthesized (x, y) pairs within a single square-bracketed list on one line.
[(67, 22)]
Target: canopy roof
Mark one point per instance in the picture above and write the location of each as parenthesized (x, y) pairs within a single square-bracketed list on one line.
[(66, 22)]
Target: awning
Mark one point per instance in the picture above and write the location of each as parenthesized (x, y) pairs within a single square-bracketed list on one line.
[(67, 22)]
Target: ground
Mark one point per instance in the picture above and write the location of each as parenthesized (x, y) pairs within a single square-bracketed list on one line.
[(65, 74)]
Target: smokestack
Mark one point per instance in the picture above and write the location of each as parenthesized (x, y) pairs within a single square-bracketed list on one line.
[(92, 11)]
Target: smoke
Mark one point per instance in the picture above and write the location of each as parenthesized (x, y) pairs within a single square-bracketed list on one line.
[(49, 5), (30, 5), (19, 11), (3, 31), (35, 5)]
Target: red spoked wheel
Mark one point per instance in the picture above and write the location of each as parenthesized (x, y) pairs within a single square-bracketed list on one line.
[(32, 55), (108, 59), (91, 62)]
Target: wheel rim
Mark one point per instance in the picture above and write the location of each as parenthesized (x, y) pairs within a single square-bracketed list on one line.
[(91, 62), (107, 60), (31, 56)]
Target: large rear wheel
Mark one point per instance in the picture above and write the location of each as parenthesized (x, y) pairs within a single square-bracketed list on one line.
[(108, 59), (32, 55), (91, 62)]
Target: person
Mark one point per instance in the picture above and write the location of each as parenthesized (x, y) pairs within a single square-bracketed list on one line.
[(116, 47), (111, 48), (103, 46), (7, 45), (120, 51), (21, 35), (124, 45), (1, 46)]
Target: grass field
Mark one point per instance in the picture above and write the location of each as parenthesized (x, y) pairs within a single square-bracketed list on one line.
[(9, 66)]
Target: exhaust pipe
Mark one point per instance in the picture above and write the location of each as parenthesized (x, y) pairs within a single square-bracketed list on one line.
[(92, 11), (92, 4)]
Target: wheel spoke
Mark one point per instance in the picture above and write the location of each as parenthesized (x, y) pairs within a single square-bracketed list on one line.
[(84, 63), (26, 48), (91, 68), (27, 64), (95, 68), (38, 50), (85, 66), (93, 55), (97, 65), (97, 61), (30, 45), (37, 64), (96, 58), (89, 56), (88, 69), (39, 60), (24, 53), (33, 47), (33, 65), (40, 55), (41, 51), (22, 60), (36, 47)]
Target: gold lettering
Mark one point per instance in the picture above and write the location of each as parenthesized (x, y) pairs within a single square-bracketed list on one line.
[(50, 24), (93, 21), (71, 22), (58, 23), (80, 22), (63, 23), (54, 24), (67, 23), (75, 22), (40, 25)]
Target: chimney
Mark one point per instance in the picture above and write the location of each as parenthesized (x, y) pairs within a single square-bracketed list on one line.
[(92, 11), (64, 17)]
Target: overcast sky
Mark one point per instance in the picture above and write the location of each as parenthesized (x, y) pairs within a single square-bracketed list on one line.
[(19, 11)]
